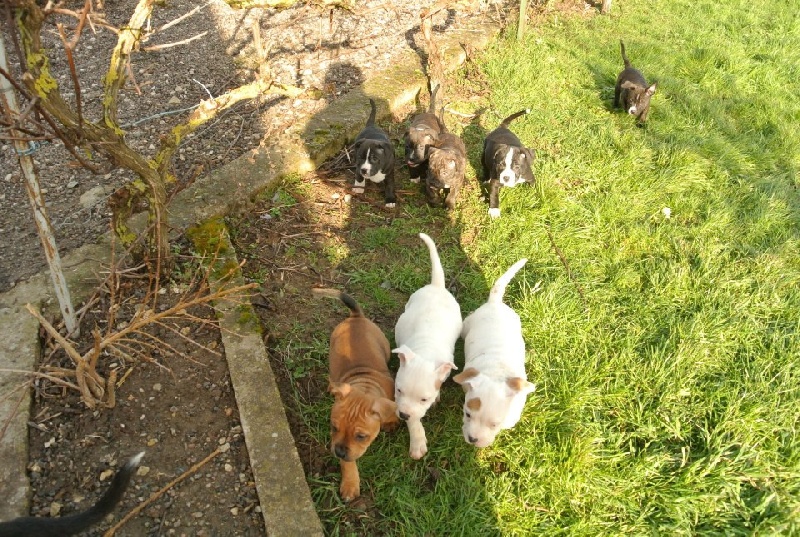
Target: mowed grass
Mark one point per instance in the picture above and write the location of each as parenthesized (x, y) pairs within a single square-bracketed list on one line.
[(664, 330)]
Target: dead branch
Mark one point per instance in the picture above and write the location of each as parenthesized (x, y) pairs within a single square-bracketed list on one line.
[(569, 271), (156, 495), (183, 17), (176, 43)]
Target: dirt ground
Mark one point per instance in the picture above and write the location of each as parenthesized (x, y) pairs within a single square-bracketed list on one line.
[(325, 52)]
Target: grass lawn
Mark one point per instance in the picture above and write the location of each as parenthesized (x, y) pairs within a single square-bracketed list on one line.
[(664, 334)]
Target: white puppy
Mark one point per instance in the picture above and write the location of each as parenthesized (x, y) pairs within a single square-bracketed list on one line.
[(494, 366), (426, 335)]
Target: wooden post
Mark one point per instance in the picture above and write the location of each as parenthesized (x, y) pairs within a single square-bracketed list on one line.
[(8, 103), (523, 19)]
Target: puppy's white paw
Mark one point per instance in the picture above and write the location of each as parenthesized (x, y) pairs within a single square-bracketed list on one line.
[(415, 181), (494, 213), (358, 190), (418, 450), (390, 205)]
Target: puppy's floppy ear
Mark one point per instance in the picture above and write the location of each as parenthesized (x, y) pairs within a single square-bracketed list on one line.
[(500, 148), (465, 377), (520, 385), (384, 408), (444, 369), (404, 354), (340, 390), (651, 90), (529, 153)]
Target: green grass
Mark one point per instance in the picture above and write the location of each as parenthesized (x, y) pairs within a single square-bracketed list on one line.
[(668, 363)]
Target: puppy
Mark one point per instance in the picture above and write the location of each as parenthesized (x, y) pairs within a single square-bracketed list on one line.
[(426, 335), (375, 159), (362, 388), (422, 133), (633, 90), (506, 162), (446, 160), (70, 525), (494, 367)]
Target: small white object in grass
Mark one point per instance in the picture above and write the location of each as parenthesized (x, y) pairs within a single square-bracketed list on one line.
[(347, 198), (335, 195), (667, 212)]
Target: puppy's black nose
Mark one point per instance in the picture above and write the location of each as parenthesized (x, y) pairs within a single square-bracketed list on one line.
[(340, 451), (403, 416), (472, 439)]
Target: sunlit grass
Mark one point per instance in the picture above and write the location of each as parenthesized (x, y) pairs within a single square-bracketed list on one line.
[(664, 333)]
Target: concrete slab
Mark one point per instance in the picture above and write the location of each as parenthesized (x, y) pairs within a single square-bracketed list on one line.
[(280, 479)]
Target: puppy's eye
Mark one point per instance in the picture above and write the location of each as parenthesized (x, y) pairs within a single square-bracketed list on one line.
[(334, 429), (424, 400), (361, 437), (467, 414), (399, 391)]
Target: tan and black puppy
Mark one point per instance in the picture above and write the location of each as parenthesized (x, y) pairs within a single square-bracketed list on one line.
[(362, 387)]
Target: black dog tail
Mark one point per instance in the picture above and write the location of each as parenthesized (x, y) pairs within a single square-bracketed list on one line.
[(624, 57), (507, 121), (70, 525), (371, 120), (432, 107), (355, 309)]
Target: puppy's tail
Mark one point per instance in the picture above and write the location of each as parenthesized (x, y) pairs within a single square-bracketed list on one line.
[(507, 121), (624, 57), (432, 107), (437, 272), (70, 525), (347, 300), (499, 287), (371, 120)]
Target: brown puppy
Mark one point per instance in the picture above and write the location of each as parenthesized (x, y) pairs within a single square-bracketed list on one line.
[(362, 387)]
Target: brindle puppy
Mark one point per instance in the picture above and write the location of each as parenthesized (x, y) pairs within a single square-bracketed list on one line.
[(632, 90), (446, 161)]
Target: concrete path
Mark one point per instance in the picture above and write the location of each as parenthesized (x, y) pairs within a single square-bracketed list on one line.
[(282, 488)]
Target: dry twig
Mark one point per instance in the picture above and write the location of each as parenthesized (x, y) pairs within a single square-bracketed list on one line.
[(156, 495)]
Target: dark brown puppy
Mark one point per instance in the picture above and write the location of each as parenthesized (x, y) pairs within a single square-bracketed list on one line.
[(362, 387), (422, 133), (632, 90), (446, 161)]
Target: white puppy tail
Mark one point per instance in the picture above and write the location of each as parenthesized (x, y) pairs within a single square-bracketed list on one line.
[(499, 287), (437, 272)]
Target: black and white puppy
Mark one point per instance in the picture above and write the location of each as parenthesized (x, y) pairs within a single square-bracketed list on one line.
[(422, 133), (375, 159), (70, 525), (446, 161), (506, 162), (632, 90)]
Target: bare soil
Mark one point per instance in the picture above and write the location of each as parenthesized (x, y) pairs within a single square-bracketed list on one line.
[(325, 52), (178, 410)]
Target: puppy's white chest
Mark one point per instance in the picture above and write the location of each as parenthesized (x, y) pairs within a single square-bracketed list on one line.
[(376, 177)]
